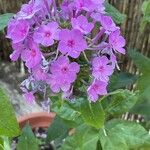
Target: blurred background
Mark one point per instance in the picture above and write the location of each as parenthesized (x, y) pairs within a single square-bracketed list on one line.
[(11, 74)]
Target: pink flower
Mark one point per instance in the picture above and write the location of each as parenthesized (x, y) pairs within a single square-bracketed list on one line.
[(29, 97), (46, 34), (81, 23), (32, 55), (18, 48), (39, 73), (56, 84), (117, 42), (18, 30), (97, 88), (88, 5), (67, 8), (101, 68), (71, 42), (28, 10), (107, 23), (63, 74)]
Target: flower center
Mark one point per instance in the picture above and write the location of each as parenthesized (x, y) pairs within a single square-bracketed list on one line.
[(33, 53), (101, 68), (48, 34), (64, 70), (23, 32), (81, 4), (95, 87), (71, 43)]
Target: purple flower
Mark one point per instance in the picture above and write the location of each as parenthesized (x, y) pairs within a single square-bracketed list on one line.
[(18, 30), (101, 68), (63, 74), (18, 48), (71, 42), (39, 73), (81, 23), (117, 42), (46, 34), (97, 88), (54, 83), (28, 10), (29, 97), (88, 5), (107, 23), (67, 9), (32, 55)]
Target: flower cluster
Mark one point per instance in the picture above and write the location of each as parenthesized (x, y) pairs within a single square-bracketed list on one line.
[(50, 39)]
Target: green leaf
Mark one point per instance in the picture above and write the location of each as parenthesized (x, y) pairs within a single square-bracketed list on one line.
[(1, 143), (124, 135), (58, 129), (121, 102), (7, 145), (27, 140), (8, 122), (93, 114), (121, 80), (85, 138), (142, 108), (114, 13), (68, 113), (143, 64), (4, 19), (99, 146), (146, 7), (146, 14)]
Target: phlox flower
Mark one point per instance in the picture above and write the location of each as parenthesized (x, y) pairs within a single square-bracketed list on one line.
[(18, 48), (81, 23), (63, 74), (29, 97), (46, 34), (117, 41), (88, 5), (97, 88), (32, 55), (39, 73), (71, 42), (107, 23), (101, 68), (28, 10), (18, 30)]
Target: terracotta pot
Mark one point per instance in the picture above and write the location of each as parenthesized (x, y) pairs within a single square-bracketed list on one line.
[(37, 120)]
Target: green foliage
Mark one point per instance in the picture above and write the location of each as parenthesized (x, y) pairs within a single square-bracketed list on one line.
[(8, 122), (146, 14), (68, 113), (143, 64), (93, 114), (5, 143), (121, 103), (4, 18), (27, 140), (143, 84), (116, 15), (85, 138), (58, 129), (142, 107), (124, 135), (121, 80)]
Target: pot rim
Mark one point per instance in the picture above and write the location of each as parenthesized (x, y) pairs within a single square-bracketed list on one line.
[(37, 119)]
